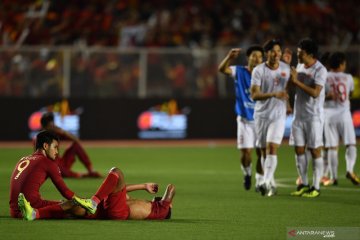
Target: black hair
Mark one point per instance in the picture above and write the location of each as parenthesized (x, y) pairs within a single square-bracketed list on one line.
[(270, 44), (46, 118), (336, 59), (309, 46), (45, 137), (254, 48)]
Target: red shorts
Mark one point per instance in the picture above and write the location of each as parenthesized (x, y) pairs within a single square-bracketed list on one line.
[(159, 210), (113, 207)]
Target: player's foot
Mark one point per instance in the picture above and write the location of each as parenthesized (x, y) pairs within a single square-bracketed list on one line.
[(272, 191), (263, 189), (27, 211), (247, 182), (353, 178), (300, 190), (324, 179), (298, 181), (330, 182), (312, 193), (86, 203)]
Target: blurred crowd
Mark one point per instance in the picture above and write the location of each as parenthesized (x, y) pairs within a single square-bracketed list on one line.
[(177, 23)]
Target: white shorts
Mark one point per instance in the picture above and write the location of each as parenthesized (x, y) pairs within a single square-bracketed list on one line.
[(245, 133), (307, 133), (269, 131), (343, 128)]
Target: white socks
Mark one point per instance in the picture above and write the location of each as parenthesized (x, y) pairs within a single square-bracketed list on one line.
[(318, 166), (332, 156), (302, 166), (350, 156), (246, 170), (269, 168)]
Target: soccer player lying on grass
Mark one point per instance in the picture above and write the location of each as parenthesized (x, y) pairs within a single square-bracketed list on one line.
[(32, 171), (110, 202), (67, 160)]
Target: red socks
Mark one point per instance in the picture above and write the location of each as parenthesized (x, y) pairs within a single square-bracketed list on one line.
[(106, 187)]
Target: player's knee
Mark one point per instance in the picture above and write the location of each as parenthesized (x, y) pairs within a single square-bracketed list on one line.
[(117, 171), (120, 174)]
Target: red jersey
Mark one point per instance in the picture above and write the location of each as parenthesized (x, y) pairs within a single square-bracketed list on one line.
[(28, 176)]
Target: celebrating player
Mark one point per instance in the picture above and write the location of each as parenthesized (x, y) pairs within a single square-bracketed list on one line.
[(32, 171), (269, 90), (307, 128), (67, 160), (111, 202), (244, 108), (338, 120)]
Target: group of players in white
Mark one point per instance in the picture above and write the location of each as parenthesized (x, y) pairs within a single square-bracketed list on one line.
[(321, 112)]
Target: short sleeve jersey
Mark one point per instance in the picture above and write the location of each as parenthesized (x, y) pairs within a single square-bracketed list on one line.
[(270, 80), (244, 105), (307, 107), (341, 84)]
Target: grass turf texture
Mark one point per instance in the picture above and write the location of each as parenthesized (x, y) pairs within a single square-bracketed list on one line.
[(210, 202)]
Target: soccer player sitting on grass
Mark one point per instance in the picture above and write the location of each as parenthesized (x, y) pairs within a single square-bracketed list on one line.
[(67, 160), (32, 171), (110, 202)]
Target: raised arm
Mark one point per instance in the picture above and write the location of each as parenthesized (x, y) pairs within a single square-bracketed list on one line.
[(149, 187), (225, 63)]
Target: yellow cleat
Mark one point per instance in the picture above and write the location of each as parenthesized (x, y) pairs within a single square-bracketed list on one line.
[(353, 178), (86, 203), (312, 193), (301, 189), (27, 211)]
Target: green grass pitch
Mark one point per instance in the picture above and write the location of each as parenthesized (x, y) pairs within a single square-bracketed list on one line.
[(210, 202)]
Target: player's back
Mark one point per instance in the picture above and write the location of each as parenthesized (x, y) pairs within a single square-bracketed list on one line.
[(341, 85)]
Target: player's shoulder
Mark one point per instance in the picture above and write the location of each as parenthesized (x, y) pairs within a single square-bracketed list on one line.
[(260, 66)]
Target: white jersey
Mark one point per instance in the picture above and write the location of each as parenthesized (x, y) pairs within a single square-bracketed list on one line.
[(341, 84), (306, 107), (270, 80)]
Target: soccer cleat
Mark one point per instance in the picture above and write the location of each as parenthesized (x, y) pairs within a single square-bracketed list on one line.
[(86, 203), (27, 211), (353, 178), (312, 193), (272, 191), (263, 189), (330, 182), (300, 190), (247, 182)]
